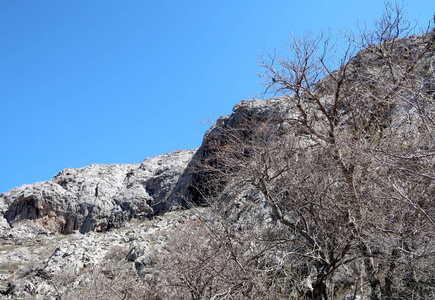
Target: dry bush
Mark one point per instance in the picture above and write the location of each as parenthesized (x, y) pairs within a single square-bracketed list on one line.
[(201, 262), (109, 281)]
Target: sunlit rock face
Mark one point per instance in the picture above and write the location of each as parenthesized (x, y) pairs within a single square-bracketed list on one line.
[(96, 197)]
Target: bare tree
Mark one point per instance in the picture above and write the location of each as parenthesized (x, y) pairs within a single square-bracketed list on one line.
[(205, 260), (347, 166)]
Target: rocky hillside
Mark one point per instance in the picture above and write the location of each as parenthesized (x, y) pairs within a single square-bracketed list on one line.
[(326, 194)]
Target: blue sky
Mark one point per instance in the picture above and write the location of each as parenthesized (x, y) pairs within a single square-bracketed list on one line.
[(86, 82)]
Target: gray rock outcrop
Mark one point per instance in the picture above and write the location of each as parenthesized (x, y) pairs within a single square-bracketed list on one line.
[(96, 197)]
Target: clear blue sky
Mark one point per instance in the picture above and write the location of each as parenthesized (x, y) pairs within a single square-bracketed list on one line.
[(86, 82)]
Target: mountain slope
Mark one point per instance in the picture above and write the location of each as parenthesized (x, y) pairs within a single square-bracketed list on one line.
[(322, 194)]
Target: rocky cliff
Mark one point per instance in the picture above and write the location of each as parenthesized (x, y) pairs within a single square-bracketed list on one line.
[(97, 197)]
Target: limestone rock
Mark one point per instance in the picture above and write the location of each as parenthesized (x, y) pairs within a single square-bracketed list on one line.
[(44, 265), (96, 197)]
